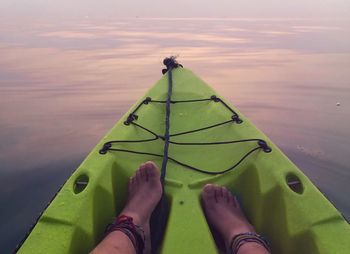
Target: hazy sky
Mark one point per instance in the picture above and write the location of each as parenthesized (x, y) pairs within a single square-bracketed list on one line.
[(178, 8)]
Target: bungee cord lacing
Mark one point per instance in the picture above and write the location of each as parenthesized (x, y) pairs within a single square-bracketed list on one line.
[(133, 117)]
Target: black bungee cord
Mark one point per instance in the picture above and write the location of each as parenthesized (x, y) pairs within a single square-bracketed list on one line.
[(171, 64)]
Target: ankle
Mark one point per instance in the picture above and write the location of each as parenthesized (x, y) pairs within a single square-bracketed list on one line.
[(252, 247), (243, 229), (138, 219)]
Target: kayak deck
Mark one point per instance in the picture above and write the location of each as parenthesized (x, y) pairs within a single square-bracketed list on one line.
[(294, 217)]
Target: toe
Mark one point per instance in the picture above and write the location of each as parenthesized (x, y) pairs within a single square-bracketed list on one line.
[(208, 193), (150, 164), (143, 173), (138, 177), (219, 196), (225, 194), (231, 199), (152, 169), (146, 174), (142, 165)]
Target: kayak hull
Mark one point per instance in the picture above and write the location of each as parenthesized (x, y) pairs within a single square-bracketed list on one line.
[(278, 199)]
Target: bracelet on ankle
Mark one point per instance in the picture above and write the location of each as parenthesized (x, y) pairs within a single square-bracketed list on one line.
[(135, 233), (248, 237)]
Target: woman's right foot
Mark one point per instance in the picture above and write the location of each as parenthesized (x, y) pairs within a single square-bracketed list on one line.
[(224, 213), (145, 191)]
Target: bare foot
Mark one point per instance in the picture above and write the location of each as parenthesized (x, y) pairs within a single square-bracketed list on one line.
[(224, 213), (145, 191)]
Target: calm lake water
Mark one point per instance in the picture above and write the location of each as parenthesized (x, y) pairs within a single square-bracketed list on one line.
[(63, 85)]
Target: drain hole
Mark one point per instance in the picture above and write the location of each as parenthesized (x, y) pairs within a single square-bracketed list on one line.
[(294, 183), (80, 183)]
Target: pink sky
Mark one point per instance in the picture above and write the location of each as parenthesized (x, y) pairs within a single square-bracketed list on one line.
[(179, 8)]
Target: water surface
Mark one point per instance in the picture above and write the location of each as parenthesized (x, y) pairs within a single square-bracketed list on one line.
[(63, 84)]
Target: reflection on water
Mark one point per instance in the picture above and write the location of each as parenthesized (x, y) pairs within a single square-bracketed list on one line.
[(63, 85)]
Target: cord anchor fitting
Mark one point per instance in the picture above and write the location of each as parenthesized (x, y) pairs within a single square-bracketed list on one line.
[(105, 148), (131, 118), (170, 63), (264, 146)]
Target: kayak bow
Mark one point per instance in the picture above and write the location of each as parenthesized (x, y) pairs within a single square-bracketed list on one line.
[(197, 138)]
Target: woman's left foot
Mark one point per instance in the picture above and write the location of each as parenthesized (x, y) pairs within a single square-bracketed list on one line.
[(145, 191), (224, 213)]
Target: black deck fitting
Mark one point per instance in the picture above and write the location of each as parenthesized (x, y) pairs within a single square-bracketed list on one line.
[(105, 148), (147, 100), (264, 146), (214, 98), (170, 63), (130, 119)]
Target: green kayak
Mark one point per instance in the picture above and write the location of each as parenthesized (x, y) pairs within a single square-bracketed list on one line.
[(195, 137)]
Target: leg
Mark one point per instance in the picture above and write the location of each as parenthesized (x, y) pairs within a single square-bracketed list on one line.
[(224, 213), (145, 191), (116, 242)]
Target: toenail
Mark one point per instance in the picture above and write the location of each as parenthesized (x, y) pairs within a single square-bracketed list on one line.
[(149, 163), (209, 188)]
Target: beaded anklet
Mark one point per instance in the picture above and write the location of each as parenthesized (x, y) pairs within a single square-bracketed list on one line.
[(125, 224), (248, 237)]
